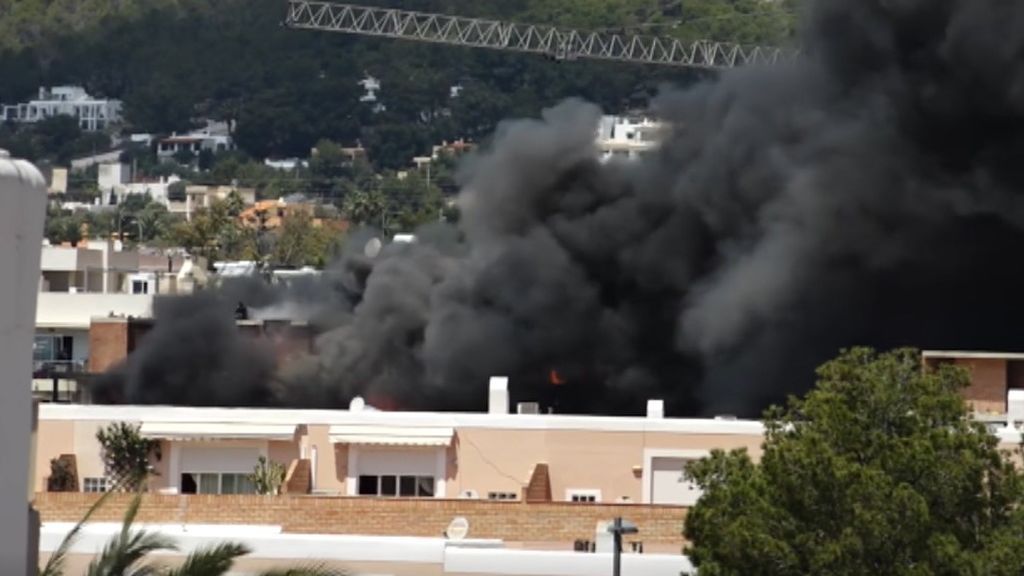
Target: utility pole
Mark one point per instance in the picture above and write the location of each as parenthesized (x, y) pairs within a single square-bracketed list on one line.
[(618, 528)]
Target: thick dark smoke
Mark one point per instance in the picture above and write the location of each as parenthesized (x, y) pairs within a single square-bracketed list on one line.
[(869, 194)]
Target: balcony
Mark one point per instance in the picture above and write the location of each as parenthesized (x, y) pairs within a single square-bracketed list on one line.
[(66, 310), (59, 380)]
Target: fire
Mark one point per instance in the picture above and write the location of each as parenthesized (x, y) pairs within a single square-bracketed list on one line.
[(383, 402), (555, 378)]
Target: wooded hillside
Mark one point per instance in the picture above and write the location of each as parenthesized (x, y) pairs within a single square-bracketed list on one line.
[(172, 60)]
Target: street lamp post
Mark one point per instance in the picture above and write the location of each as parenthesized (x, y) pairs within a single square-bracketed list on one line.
[(617, 529)]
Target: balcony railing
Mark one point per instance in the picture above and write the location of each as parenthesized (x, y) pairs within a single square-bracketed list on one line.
[(57, 368)]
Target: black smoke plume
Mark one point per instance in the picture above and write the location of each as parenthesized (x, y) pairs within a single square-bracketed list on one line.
[(870, 193)]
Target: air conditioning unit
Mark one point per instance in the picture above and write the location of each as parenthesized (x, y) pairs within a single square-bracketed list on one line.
[(528, 408), (469, 495)]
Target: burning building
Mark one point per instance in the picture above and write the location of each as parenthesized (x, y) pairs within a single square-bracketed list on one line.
[(868, 193)]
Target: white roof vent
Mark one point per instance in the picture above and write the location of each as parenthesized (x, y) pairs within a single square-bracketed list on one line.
[(359, 405), (497, 399), (528, 408), (656, 409)]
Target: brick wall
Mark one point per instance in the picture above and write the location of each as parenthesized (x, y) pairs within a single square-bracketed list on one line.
[(299, 477), (108, 343), (553, 522), (987, 390)]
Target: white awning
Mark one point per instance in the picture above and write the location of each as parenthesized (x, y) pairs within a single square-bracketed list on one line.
[(216, 431), (392, 435)]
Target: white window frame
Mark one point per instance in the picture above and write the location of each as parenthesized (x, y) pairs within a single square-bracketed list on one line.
[(502, 496), (398, 483), (440, 471), (648, 473), (175, 466), (220, 480), (570, 493), (97, 482)]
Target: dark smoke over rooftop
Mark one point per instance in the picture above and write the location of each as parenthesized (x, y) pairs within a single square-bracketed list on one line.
[(870, 194)]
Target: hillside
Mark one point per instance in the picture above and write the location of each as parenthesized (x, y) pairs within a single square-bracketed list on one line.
[(170, 60)]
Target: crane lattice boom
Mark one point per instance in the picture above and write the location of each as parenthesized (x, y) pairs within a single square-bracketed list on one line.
[(562, 44)]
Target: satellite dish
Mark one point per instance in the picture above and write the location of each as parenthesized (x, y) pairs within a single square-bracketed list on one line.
[(372, 248), (457, 529)]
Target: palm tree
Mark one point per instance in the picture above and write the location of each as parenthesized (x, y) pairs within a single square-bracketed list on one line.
[(125, 554)]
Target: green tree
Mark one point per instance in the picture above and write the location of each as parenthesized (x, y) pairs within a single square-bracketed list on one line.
[(214, 234), (127, 456), (62, 477), (300, 242), (365, 207), (879, 470)]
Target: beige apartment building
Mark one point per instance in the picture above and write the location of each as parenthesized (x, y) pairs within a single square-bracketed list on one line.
[(362, 452)]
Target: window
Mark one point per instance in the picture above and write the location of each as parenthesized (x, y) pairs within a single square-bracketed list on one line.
[(52, 348), (392, 486), (501, 496), (583, 496), (94, 485), (216, 483), (140, 287)]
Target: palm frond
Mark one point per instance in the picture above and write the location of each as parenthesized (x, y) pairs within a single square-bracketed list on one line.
[(121, 554), (211, 561), (312, 570), (128, 547), (55, 564)]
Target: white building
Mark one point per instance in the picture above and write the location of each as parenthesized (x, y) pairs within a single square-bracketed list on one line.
[(215, 137), (626, 137), (285, 164), (115, 183), (98, 278), (93, 114)]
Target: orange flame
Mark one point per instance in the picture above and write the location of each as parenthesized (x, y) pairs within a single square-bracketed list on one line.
[(555, 378)]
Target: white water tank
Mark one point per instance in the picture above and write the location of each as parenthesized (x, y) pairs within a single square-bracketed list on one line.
[(22, 215)]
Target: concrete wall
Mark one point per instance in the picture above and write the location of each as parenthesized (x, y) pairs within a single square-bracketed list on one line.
[(480, 459), (65, 310), (22, 215)]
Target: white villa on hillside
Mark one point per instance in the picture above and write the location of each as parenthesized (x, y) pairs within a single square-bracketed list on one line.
[(626, 137), (93, 114)]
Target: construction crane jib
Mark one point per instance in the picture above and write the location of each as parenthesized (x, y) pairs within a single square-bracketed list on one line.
[(561, 44)]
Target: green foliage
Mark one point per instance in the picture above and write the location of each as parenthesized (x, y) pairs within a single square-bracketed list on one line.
[(61, 478), (55, 564), (268, 477), (301, 242), (127, 456), (126, 553), (879, 470), (214, 234), (211, 561), (174, 60), (54, 140)]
